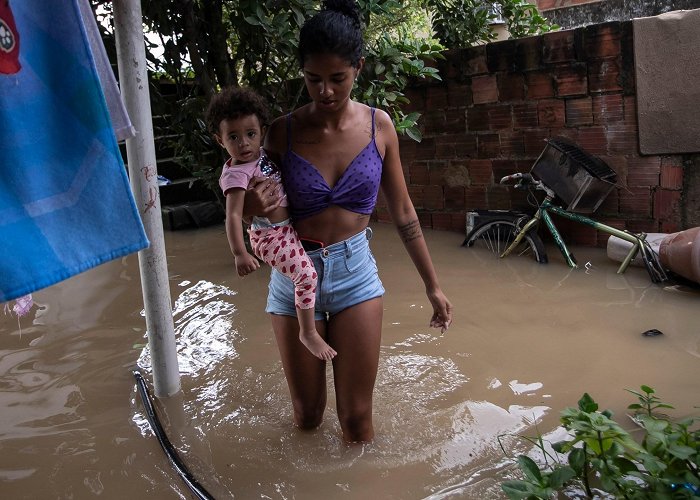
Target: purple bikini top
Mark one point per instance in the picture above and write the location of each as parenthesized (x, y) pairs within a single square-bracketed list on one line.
[(356, 189)]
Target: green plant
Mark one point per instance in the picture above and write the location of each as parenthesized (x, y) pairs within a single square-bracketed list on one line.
[(389, 66), (603, 458)]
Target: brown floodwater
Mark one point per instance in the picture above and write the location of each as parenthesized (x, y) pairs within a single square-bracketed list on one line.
[(527, 341)]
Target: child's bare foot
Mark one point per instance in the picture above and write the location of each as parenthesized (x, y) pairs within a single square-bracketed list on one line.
[(318, 347)]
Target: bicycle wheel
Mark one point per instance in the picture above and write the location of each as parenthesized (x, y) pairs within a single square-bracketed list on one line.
[(496, 235)]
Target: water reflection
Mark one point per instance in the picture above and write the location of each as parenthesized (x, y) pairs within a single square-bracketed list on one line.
[(527, 341)]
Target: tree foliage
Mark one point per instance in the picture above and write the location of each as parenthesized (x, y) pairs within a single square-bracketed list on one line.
[(200, 46)]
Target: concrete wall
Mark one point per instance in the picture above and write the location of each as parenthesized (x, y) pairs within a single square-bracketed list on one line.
[(574, 13), (497, 104)]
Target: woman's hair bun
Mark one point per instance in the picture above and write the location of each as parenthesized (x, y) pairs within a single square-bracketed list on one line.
[(347, 7)]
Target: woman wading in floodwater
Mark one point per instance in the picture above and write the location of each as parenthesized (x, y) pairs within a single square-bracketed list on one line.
[(335, 154)]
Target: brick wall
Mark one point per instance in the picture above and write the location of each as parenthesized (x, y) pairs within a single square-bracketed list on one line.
[(496, 105)]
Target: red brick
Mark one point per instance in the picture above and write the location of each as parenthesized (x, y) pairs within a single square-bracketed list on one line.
[(457, 173), (623, 139), (436, 97), (604, 76), (444, 148), (525, 115), (478, 118), (670, 227), (488, 146), (418, 174), (473, 61), (566, 133), (643, 226), (571, 80), (434, 198), (559, 46), (500, 117), (455, 120), (498, 197), (449, 67), (484, 89), (619, 164), (666, 204), (607, 109), (579, 112), (671, 173), (501, 168), (500, 55), (458, 222), (465, 145), (539, 85), (459, 94), (425, 150), (385, 217), (416, 96), (433, 120), (480, 172), (511, 87), (635, 201), (475, 197), (528, 53), (603, 40), (535, 141), (671, 177), (610, 205), (551, 113), (593, 140), (425, 219), (512, 144), (436, 173), (454, 198), (630, 109), (454, 146), (643, 171), (442, 220)]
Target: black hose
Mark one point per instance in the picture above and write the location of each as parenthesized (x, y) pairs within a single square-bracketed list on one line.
[(165, 443)]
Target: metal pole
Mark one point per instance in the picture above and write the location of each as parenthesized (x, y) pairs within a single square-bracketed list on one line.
[(143, 175)]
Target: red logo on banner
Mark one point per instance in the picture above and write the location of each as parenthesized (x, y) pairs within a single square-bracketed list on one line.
[(9, 40)]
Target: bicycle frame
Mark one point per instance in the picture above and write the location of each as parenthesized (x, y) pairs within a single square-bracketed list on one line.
[(542, 213)]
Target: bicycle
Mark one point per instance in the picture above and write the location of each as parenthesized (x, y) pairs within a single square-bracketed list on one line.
[(506, 233)]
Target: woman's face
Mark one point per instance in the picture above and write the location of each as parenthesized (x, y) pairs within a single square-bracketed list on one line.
[(329, 80)]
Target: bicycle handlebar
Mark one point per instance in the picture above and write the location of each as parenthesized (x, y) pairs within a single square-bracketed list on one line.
[(519, 176), (526, 179)]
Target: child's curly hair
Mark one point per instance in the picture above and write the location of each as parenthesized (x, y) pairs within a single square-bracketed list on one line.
[(235, 102)]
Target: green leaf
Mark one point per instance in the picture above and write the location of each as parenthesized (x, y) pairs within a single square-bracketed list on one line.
[(530, 468), (647, 389), (516, 490), (577, 459), (252, 20), (587, 404), (560, 476), (414, 134), (681, 451)]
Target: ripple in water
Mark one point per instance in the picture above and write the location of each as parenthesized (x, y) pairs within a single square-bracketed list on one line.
[(203, 328)]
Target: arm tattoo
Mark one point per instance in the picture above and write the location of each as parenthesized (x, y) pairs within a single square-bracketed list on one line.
[(410, 231)]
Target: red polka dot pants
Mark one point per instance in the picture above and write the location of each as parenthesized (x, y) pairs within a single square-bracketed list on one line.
[(279, 247)]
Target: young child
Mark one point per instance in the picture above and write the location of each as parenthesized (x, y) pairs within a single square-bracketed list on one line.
[(237, 118)]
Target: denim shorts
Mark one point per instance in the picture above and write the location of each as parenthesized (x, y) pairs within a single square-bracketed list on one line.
[(347, 276)]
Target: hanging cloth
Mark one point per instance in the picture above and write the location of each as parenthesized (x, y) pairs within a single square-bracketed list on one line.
[(65, 201)]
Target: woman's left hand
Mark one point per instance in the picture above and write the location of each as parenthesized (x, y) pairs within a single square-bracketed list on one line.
[(442, 311)]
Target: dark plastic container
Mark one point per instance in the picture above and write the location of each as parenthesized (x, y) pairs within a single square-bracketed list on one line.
[(580, 179)]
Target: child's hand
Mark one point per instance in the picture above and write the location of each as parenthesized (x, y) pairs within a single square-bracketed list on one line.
[(246, 264)]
